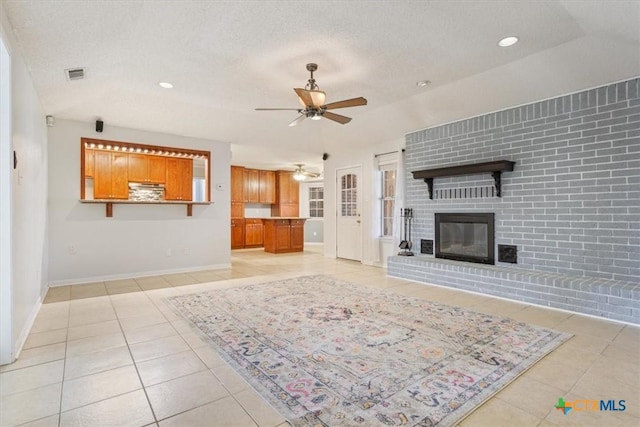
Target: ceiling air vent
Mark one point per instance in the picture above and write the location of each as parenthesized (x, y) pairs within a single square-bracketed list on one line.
[(74, 73)]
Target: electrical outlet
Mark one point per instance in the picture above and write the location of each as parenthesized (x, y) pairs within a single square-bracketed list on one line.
[(72, 250), (168, 252), (186, 251)]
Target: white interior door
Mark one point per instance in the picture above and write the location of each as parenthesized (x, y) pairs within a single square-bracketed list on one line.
[(349, 220)]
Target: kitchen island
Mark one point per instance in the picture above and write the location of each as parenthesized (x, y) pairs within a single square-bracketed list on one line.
[(283, 234)]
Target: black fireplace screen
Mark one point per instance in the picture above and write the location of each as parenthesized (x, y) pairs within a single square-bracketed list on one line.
[(465, 237)]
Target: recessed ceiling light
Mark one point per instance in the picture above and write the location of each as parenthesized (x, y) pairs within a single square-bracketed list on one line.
[(165, 85), (423, 83), (508, 41)]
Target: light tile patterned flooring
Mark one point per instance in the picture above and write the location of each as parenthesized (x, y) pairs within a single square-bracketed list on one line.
[(113, 354)]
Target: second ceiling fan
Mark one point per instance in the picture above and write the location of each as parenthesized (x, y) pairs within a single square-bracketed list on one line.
[(312, 100)]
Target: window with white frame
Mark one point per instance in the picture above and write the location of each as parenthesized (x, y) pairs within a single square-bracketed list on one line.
[(387, 184), (316, 202)]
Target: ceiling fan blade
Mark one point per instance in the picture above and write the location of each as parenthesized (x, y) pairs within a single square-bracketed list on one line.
[(300, 118), (277, 109), (336, 117), (353, 102), (303, 96)]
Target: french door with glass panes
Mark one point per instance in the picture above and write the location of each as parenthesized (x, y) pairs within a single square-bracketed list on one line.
[(349, 220)]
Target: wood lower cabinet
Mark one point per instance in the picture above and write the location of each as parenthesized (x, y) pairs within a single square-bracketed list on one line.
[(237, 233), (297, 234), (253, 233), (283, 235), (110, 179), (179, 179)]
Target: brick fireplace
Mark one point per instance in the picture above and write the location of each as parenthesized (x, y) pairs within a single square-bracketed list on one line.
[(569, 207)]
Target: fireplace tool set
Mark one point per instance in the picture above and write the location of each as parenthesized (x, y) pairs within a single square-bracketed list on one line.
[(405, 245)]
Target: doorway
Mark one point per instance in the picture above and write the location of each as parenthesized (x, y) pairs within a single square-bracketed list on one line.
[(349, 219)]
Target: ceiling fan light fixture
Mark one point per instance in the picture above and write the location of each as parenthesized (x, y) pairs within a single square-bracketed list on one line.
[(299, 176), (312, 100), (317, 97)]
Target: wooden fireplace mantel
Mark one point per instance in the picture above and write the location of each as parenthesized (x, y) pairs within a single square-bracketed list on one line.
[(495, 168)]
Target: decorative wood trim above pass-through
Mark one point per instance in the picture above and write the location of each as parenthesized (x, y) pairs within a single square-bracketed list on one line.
[(495, 168)]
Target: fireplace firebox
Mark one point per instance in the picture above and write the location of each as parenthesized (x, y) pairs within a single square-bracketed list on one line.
[(465, 237)]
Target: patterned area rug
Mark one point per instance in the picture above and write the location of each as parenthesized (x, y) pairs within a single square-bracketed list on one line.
[(325, 352)]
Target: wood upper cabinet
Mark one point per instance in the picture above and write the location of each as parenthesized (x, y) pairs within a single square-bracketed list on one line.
[(287, 195), (251, 186), (237, 184), (178, 179), (146, 168), (110, 180), (237, 192), (89, 162), (288, 188), (267, 187)]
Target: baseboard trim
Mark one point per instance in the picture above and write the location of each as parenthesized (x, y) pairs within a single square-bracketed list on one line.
[(26, 330), (132, 275)]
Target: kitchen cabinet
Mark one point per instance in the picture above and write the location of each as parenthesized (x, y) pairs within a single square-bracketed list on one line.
[(178, 179), (267, 187), (287, 195), (237, 233), (237, 192), (107, 168), (282, 235), (251, 186), (259, 186), (253, 232), (147, 169), (110, 180), (89, 162), (297, 234)]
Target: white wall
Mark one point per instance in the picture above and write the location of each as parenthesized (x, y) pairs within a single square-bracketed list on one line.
[(374, 252), (28, 199), (85, 245)]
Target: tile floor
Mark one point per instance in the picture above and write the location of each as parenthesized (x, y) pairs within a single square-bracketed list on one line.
[(112, 354)]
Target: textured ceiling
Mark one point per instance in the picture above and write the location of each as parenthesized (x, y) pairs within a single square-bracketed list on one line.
[(226, 58)]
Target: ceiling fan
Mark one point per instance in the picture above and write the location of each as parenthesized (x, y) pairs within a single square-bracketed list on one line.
[(312, 100), (300, 174)]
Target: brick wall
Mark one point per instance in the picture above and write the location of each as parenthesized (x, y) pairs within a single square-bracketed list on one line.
[(572, 203)]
